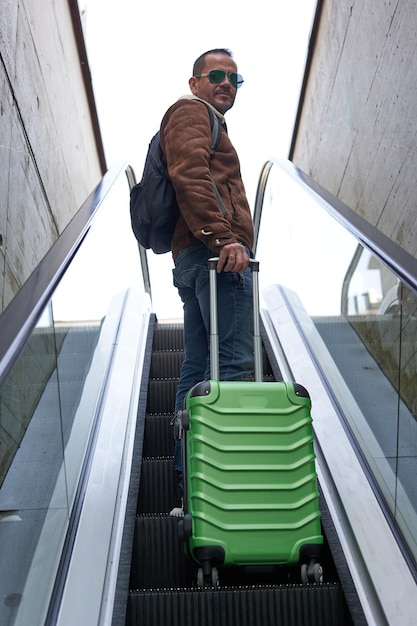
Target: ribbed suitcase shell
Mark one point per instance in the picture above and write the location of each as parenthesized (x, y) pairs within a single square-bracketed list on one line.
[(250, 478)]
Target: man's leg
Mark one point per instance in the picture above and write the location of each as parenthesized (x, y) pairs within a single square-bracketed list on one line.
[(195, 350), (194, 363), (189, 274), (186, 273)]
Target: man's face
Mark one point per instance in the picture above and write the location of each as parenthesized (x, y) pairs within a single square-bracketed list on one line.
[(221, 96)]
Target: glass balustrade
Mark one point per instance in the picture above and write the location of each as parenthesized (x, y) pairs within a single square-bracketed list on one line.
[(48, 404), (367, 319)]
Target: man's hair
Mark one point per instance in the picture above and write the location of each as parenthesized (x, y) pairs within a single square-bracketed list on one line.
[(199, 63)]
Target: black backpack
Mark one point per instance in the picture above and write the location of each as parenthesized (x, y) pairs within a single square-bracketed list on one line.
[(153, 204)]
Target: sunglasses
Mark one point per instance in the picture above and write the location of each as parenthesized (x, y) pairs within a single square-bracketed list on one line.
[(217, 76)]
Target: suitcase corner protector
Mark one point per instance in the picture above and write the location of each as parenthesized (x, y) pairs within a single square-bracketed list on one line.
[(201, 389)]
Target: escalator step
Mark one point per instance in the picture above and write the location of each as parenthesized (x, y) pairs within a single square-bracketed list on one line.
[(166, 364), (159, 560), (168, 337), (264, 606), (158, 436), (161, 396), (157, 486), (158, 555)]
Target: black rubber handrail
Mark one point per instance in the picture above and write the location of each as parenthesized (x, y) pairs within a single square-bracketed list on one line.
[(22, 314), (398, 260)]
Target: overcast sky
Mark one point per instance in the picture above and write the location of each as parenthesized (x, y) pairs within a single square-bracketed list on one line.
[(141, 59)]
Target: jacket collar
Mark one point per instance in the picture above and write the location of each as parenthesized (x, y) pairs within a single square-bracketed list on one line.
[(193, 97)]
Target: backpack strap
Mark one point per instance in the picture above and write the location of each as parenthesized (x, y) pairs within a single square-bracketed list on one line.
[(216, 131), (215, 138)]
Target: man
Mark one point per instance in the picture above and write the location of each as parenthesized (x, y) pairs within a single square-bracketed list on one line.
[(204, 230)]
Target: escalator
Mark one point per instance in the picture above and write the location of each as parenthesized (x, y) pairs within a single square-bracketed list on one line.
[(87, 381), (163, 586)]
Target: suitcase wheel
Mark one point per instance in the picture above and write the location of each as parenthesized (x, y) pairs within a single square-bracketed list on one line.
[(185, 527), (188, 525), (185, 420), (210, 579), (181, 535), (311, 573)]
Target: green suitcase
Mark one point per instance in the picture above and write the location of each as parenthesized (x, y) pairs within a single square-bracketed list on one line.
[(250, 483)]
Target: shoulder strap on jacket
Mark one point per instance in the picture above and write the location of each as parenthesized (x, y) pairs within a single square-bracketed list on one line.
[(215, 138), (215, 126), (215, 131)]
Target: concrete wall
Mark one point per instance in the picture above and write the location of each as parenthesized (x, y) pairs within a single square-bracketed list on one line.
[(49, 148), (358, 125)]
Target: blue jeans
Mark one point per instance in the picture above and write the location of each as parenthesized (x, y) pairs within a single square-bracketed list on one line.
[(235, 324)]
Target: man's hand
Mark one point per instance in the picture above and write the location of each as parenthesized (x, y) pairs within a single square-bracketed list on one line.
[(233, 258)]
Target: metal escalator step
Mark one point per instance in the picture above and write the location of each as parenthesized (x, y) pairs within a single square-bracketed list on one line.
[(166, 364), (158, 555), (157, 486), (293, 605), (158, 436), (161, 396), (159, 561), (168, 337)]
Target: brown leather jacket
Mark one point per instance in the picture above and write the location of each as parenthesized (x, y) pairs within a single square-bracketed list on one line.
[(185, 139)]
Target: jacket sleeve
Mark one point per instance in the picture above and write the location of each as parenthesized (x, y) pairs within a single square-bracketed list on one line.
[(186, 141)]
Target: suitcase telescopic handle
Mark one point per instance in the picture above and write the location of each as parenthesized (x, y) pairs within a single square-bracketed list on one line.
[(214, 327)]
